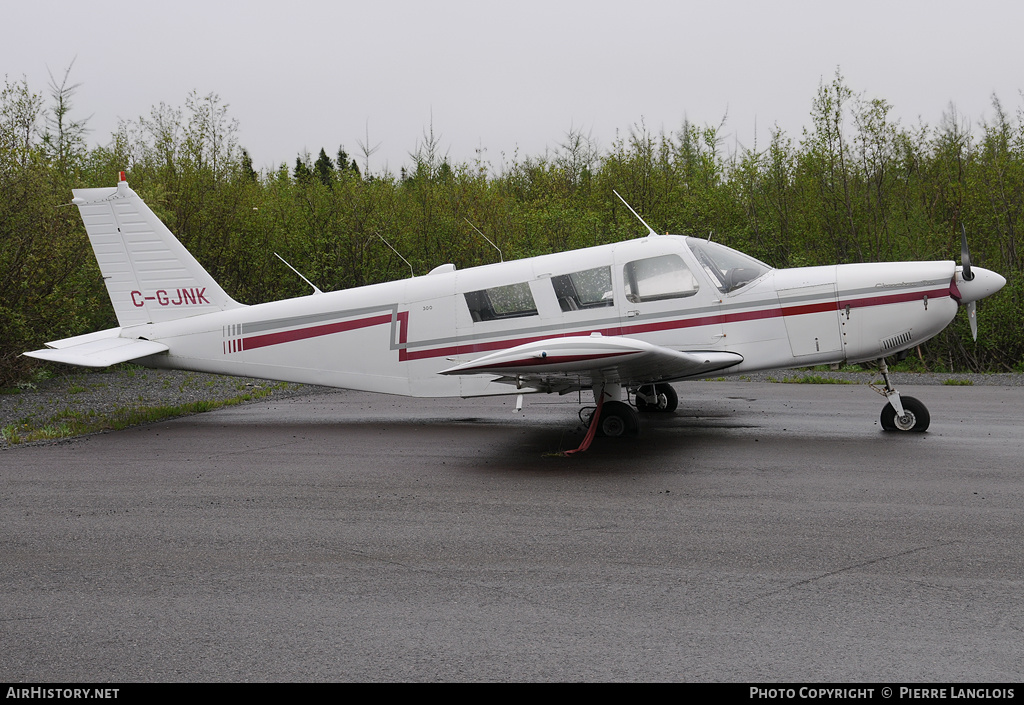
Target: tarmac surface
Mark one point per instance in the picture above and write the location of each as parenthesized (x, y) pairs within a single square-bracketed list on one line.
[(763, 533)]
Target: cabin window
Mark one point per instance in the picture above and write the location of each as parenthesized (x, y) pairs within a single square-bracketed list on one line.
[(510, 301), (590, 288), (656, 278)]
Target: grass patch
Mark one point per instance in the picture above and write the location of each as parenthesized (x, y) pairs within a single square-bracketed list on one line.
[(66, 424), (958, 382)]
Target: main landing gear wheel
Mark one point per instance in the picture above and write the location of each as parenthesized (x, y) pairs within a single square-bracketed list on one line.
[(618, 419), (915, 419), (667, 402)]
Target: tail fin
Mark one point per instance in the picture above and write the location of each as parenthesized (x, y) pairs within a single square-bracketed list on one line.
[(150, 276)]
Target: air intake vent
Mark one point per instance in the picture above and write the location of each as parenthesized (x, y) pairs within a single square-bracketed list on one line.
[(897, 341)]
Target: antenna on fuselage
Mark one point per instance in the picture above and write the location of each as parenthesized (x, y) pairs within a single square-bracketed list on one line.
[(650, 230), (316, 289), (411, 273), (485, 238)]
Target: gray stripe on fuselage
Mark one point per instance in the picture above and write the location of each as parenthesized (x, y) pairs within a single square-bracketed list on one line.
[(313, 318), (725, 307)]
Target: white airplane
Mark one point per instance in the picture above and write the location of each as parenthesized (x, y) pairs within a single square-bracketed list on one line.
[(623, 320)]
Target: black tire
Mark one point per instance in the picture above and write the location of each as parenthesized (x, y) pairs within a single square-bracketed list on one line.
[(916, 420), (670, 394), (617, 420), (666, 406), (887, 417)]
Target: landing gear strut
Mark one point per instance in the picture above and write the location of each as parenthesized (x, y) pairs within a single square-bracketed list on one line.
[(901, 413), (612, 417)]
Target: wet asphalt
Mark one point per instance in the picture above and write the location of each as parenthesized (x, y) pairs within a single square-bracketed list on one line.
[(764, 532)]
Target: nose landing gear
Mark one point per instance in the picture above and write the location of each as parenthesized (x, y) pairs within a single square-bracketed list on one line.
[(901, 413)]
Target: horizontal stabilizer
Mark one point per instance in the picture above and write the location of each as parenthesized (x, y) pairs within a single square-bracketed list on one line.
[(100, 349), (585, 358)]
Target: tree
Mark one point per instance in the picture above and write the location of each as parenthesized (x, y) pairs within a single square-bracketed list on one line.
[(324, 168), (247, 171), (64, 138), (345, 166), (302, 173), (21, 111)]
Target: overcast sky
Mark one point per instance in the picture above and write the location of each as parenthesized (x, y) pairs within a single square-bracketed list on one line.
[(301, 75)]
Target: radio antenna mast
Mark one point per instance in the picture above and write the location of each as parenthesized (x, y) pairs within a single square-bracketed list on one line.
[(501, 256), (316, 289), (411, 273), (650, 230)]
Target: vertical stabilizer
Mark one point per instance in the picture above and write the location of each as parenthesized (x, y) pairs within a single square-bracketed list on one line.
[(150, 276)]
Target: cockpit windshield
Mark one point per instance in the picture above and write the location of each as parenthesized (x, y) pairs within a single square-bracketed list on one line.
[(728, 269)]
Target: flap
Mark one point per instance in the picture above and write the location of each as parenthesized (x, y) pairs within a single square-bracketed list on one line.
[(585, 358)]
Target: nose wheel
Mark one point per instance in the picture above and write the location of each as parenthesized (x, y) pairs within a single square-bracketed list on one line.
[(915, 416)]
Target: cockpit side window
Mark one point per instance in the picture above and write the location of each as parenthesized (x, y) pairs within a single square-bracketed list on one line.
[(590, 288), (728, 269), (511, 301), (657, 278)]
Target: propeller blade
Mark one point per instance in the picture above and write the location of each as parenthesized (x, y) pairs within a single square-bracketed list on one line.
[(967, 275), (965, 255)]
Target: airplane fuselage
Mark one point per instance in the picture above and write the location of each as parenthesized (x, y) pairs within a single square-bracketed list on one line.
[(396, 336)]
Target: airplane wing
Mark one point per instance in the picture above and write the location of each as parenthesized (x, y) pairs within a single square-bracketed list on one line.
[(574, 362), (100, 349)]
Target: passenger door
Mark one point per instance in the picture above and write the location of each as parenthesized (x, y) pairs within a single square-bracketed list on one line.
[(665, 301)]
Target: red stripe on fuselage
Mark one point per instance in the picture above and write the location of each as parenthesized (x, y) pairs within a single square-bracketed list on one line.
[(676, 324), (894, 298), (261, 341), (405, 355)]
